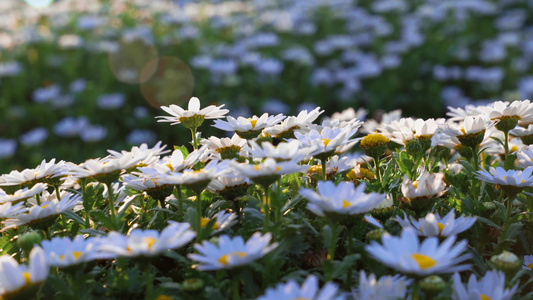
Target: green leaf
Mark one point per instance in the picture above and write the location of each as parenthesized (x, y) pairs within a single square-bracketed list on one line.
[(345, 266), (72, 215), (103, 218), (509, 162), (183, 150)]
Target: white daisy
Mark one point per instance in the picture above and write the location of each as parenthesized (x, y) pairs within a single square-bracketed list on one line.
[(525, 157), (504, 177), (327, 140), (7, 210), (23, 194), (343, 199), (269, 167), (407, 255), (428, 185), (283, 151), (286, 129), (64, 252), (232, 252), (147, 242), (435, 225), (528, 261), (384, 288), (308, 290), (223, 220), (248, 128), (178, 114), (15, 278), (491, 286)]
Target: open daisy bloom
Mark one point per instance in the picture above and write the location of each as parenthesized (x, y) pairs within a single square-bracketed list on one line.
[(64, 252), (507, 115), (386, 287), (435, 225), (470, 133), (407, 255), (286, 129), (147, 242), (491, 286), (419, 194), (309, 290), (193, 117), (21, 282), (232, 252), (343, 199), (248, 128), (511, 181)]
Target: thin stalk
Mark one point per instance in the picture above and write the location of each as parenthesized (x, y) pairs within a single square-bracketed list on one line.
[(235, 280), (180, 203), (199, 214), (58, 194), (506, 141), (475, 158), (112, 204), (38, 198), (194, 141), (507, 217), (349, 251), (378, 171), (324, 163), (415, 293), (148, 281), (266, 205), (331, 250)]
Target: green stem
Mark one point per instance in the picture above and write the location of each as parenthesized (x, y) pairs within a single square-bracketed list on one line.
[(235, 281), (475, 158), (348, 252), (506, 141), (148, 281), (266, 205), (507, 218), (331, 250), (111, 195), (199, 214), (378, 171), (194, 141), (38, 198), (415, 293), (58, 194), (180, 203), (324, 163)]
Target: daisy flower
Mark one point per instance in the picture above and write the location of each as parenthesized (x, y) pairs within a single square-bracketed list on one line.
[(179, 115), (507, 115), (428, 185), (64, 252), (327, 140), (143, 153), (248, 128), (229, 187), (525, 157), (49, 208), (267, 169), (407, 255), (104, 169), (232, 252), (285, 130), (384, 288), (471, 133), (24, 193), (225, 148), (435, 225), (7, 210), (343, 199), (283, 151), (16, 279), (308, 290), (147, 242), (45, 172), (491, 286), (502, 177)]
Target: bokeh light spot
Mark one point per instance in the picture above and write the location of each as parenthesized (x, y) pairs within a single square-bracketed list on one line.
[(172, 82), (130, 59)]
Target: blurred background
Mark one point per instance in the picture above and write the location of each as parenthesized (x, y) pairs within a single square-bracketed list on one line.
[(80, 77)]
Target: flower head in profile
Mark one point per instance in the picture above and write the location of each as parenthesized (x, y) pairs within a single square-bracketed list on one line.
[(507, 115), (428, 185), (435, 225), (222, 221), (147, 242), (232, 252), (470, 133), (499, 175), (341, 199), (16, 279), (385, 288), (248, 128), (491, 286), (286, 129), (407, 255), (308, 290), (192, 114), (23, 194), (64, 251)]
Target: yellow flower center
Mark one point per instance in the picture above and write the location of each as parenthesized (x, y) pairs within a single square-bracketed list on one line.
[(326, 142), (345, 204), (253, 122), (27, 277), (150, 241), (205, 221), (441, 227), (45, 206), (224, 258), (485, 297), (415, 184), (373, 140), (514, 149), (76, 254), (503, 178), (169, 165), (256, 167), (424, 261), (530, 266)]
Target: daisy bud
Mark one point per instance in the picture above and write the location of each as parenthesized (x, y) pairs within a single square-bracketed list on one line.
[(374, 145), (432, 285), (375, 235), (28, 240), (507, 123), (414, 148), (193, 284), (506, 262)]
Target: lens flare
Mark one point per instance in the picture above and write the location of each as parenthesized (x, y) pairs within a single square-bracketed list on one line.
[(172, 82), (130, 59)]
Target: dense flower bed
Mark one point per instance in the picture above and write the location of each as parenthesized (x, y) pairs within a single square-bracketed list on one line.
[(433, 209), (71, 71)]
